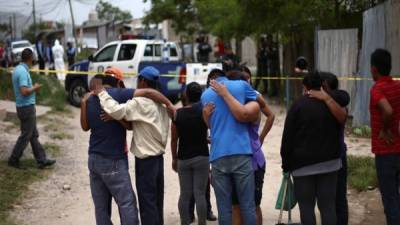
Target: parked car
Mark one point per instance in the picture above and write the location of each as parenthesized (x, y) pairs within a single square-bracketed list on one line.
[(16, 49)]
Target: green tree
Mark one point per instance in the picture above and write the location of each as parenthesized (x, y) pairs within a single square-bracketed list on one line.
[(29, 33), (108, 12)]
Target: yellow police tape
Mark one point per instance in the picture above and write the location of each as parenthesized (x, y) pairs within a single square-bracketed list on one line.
[(127, 74)]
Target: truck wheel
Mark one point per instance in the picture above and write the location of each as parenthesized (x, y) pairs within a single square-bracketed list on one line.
[(76, 92)]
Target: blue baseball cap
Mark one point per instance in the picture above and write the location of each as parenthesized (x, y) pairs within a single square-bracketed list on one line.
[(150, 73)]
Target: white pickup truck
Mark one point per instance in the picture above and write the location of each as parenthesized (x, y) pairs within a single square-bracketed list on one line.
[(131, 56)]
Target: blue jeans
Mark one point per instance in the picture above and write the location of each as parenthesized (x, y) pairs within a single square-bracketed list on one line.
[(150, 188), (238, 171), (388, 171), (109, 179)]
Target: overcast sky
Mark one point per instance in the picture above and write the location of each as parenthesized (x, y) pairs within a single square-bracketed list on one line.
[(81, 11), (58, 10)]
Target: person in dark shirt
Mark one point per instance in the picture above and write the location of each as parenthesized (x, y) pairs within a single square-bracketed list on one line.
[(191, 161), (338, 108), (310, 151), (108, 161), (71, 53)]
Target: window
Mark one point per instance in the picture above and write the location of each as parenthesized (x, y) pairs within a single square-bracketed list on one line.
[(148, 51), (157, 50), (106, 54), (173, 52), (126, 52)]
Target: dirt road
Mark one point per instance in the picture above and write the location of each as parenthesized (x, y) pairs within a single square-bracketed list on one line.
[(49, 203)]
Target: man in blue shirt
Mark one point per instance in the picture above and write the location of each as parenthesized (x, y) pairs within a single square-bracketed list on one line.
[(108, 160), (231, 152), (25, 98)]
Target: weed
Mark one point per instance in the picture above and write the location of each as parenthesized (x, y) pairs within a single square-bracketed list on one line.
[(60, 136), (13, 183), (361, 172), (52, 148)]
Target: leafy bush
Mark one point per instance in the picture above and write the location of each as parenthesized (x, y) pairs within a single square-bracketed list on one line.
[(361, 172)]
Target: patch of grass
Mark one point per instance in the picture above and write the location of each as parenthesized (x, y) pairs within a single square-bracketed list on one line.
[(361, 172), (52, 148), (61, 136), (364, 131), (13, 183), (51, 94)]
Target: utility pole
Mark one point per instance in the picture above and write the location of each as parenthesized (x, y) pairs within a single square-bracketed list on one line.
[(15, 26), (11, 28), (73, 24), (34, 17)]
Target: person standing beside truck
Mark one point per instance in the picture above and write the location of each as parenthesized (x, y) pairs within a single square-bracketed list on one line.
[(25, 99), (71, 53)]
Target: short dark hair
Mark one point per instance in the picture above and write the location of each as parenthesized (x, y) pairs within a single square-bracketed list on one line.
[(330, 79), (215, 73), (302, 63), (26, 54), (236, 75), (382, 61), (151, 83), (107, 80), (246, 69), (193, 92), (312, 81)]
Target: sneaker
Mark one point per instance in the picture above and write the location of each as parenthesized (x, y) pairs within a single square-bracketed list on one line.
[(47, 163), (211, 216), (15, 164)]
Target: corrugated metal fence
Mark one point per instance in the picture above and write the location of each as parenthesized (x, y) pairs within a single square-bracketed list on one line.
[(337, 53)]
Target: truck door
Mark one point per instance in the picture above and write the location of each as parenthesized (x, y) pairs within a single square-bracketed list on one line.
[(103, 59), (128, 61)]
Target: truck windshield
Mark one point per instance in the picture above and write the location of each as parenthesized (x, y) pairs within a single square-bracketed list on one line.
[(21, 45)]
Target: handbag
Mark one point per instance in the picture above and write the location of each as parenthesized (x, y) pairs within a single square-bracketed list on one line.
[(286, 199)]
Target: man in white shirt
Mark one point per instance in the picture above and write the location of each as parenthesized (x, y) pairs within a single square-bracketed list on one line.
[(150, 123)]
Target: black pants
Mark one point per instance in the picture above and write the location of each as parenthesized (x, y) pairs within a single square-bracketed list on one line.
[(319, 188), (342, 208), (388, 171), (42, 64), (150, 189), (29, 134)]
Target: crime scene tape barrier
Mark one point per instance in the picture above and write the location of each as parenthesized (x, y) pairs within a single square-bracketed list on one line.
[(127, 74)]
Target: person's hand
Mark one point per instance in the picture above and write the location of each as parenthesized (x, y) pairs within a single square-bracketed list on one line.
[(175, 165), (105, 117), (86, 97), (387, 136), (320, 95), (36, 87), (209, 109), (171, 111), (97, 86), (220, 89)]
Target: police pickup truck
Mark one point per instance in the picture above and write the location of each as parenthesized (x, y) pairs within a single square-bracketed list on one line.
[(131, 56)]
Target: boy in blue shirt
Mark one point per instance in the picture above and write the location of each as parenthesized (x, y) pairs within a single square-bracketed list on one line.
[(25, 99)]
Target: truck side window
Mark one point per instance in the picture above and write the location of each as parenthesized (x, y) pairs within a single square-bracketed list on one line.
[(157, 50), (173, 52), (126, 52), (148, 51), (106, 54)]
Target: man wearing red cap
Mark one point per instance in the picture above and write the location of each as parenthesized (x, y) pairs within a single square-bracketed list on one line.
[(150, 124), (108, 161)]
